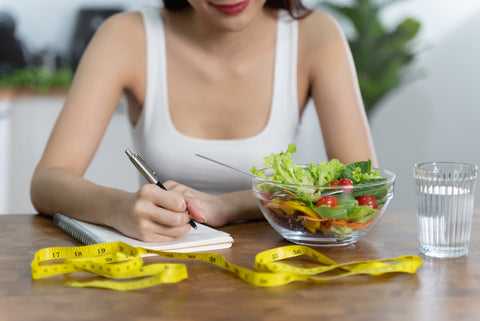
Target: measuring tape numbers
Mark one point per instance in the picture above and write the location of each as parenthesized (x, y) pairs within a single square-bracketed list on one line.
[(123, 269)]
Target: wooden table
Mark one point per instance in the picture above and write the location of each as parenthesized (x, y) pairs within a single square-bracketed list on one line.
[(440, 290)]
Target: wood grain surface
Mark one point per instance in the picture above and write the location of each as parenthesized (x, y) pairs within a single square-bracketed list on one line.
[(440, 290)]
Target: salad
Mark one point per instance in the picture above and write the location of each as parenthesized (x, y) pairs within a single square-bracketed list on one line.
[(330, 197)]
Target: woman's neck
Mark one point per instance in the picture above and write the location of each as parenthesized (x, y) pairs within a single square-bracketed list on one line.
[(227, 39)]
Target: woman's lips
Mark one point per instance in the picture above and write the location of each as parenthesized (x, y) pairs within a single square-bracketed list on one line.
[(231, 9)]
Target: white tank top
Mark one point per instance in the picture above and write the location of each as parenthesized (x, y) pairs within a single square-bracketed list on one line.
[(172, 154)]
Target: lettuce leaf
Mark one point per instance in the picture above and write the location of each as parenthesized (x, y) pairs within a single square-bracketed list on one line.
[(285, 170), (324, 173)]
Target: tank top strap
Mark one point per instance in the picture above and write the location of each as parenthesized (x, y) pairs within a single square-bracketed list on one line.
[(285, 74), (156, 89)]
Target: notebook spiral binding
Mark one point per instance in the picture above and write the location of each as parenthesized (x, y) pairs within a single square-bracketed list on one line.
[(75, 230)]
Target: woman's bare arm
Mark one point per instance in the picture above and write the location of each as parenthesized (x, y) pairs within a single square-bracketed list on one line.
[(110, 66), (334, 88)]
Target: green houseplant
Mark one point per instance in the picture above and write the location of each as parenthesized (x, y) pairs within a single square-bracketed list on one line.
[(380, 53), (38, 78)]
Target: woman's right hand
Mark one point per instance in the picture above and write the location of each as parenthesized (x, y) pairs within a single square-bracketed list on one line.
[(154, 215)]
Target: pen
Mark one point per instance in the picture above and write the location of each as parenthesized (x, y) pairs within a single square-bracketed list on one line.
[(148, 173)]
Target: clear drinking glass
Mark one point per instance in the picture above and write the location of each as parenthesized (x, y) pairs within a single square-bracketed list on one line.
[(445, 197)]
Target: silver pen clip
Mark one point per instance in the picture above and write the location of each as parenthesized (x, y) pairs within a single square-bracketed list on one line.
[(142, 166), (149, 174)]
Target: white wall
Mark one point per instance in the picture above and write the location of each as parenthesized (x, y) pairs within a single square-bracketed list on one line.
[(436, 117), (4, 153), (438, 17), (432, 118), (50, 23), (30, 121)]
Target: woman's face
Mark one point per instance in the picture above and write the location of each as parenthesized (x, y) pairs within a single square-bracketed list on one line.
[(232, 15)]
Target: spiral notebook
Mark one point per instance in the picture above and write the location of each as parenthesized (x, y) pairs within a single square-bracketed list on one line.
[(203, 238)]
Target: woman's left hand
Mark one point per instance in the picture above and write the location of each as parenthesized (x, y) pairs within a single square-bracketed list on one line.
[(217, 210)]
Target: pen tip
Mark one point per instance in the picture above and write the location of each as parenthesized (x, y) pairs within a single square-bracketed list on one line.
[(193, 224)]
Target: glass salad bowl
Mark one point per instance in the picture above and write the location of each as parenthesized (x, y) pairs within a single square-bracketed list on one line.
[(337, 213)]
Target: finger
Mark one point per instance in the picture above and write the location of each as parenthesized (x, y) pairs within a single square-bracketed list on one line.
[(193, 204), (153, 232), (146, 207), (194, 209), (164, 216), (170, 200)]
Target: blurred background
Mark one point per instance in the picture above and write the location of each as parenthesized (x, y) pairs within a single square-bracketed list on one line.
[(417, 62)]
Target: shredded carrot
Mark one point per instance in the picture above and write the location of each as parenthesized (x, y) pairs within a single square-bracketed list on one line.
[(360, 226), (290, 193), (326, 224), (340, 222)]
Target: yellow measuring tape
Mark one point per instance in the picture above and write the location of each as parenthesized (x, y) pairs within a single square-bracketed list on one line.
[(122, 267)]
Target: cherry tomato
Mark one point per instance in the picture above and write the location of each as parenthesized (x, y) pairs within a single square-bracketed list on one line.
[(334, 183), (369, 200), (346, 182), (328, 200)]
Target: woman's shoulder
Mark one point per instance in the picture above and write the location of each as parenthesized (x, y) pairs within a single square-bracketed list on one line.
[(319, 28), (321, 42), (121, 33), (124, 22), (120, 43)]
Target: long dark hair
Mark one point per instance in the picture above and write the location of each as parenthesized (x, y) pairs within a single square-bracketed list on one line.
[(294, 7)]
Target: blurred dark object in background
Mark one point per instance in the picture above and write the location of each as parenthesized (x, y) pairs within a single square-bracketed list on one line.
[(88, 21), (12, 55)]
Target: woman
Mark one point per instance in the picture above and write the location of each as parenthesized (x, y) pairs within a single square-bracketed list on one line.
[(224, 78)]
